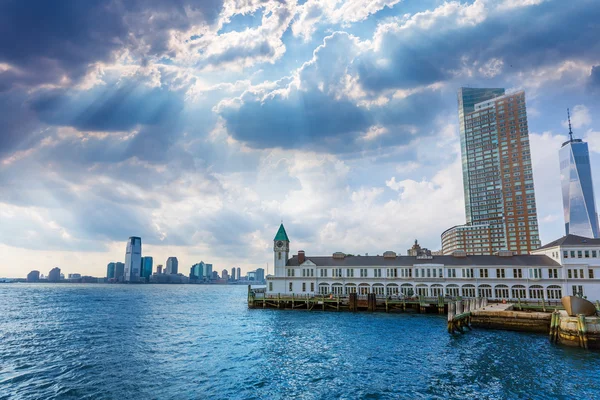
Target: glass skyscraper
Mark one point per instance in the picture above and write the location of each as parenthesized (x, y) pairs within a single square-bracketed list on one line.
[(133, 259), (579, 204), (147, 267), (498, 186)]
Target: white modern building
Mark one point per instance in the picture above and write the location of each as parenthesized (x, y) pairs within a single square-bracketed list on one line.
[(544, 274), (133, 259)]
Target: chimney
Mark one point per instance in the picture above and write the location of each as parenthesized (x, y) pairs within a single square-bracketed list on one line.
[(301, 257)]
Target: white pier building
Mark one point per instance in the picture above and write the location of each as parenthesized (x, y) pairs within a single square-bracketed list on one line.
[(565, 266)]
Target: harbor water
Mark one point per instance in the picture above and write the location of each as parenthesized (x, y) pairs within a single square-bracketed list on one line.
[(83, 341)]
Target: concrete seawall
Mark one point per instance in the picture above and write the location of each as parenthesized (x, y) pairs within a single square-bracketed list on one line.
[(579, 331), (511, 320)]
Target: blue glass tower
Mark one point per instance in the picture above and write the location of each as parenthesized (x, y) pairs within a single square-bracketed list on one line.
[(579, 204), (146, 267)]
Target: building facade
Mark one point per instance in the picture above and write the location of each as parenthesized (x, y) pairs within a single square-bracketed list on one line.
[(119, 271), (579, 204), (233, 274), (498, 184), (147, 267), (54, 275), (172, 266), (110, 270), (33, 276), (546, 274), (133, 259)]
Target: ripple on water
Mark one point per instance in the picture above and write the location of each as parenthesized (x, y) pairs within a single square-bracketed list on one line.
[(173, 342)]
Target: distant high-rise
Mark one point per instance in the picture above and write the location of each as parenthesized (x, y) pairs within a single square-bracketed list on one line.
[(159, 269), (579, 204), (208, 272), (498, 185), (33, 276), (260, 275), (119, 271), (146, 267), (172, 265), (214, 275), (133, 259), (238, 273), (233, 274), (54, 275), (197, 271), (225, 275), (110, 270)]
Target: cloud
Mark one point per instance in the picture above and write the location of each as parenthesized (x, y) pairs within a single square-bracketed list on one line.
[(580, 117)]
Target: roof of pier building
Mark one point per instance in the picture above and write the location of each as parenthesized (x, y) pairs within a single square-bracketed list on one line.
[(571, 240), (448, 260)]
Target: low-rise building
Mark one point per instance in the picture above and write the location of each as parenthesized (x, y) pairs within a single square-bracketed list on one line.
[(563, 267)]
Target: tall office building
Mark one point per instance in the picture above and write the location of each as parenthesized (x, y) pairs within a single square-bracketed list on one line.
[(208, 272), (197, 271), (260, 275), (133, 259), (119, 271), (225, 275), (233, 274), (172, 265), (579, 204), (110, 270), (54, 275), (146, 271), (497, 175), (33, 276), (238, 273)]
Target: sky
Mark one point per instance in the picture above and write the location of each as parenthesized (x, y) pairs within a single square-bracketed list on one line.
[(200, 125)]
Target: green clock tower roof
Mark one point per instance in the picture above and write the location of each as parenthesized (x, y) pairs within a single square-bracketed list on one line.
[(281, 235)]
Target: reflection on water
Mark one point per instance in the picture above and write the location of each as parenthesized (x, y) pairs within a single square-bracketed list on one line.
[(173, 342)]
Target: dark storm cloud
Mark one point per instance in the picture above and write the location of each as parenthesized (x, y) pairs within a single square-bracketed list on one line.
[(297, 120), (17, 123), (46, 40), (524, 38)]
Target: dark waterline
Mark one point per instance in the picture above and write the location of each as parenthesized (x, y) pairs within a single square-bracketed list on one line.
[(186, 341)]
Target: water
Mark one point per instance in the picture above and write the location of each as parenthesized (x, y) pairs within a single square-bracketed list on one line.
[(183, 342)]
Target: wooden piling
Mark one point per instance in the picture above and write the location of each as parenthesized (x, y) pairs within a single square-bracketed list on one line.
[(583, 339), (451, 313)]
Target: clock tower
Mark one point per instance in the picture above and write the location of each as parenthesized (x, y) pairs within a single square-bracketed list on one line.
[(281, 247)]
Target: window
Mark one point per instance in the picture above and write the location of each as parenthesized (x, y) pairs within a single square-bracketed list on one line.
[(591, 273), (577, 290), (291, 287), (324, 273), (500, 273), (270, 286), (483, 273), (553, 273), (337, 272), (350, 273), (572, 253), (569, 274), (416, 272), (579, 254), (291, 272), (518, 273), (594, 254), (312, 286), (377, 272), (304, 286), (452, 273), (586, 253), (565, 254), (279, 256), (535, 273), (363, 272)]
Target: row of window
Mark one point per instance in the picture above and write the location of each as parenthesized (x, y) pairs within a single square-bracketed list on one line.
[(580, 253), (533, 273)]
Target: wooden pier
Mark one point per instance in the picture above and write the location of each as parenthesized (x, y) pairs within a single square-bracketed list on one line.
[(257, 298)]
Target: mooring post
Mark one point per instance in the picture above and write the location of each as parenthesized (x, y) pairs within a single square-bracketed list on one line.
[(582, 331), (451, 310)]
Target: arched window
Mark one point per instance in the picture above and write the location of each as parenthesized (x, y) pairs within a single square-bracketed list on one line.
[(501, 292), (484, 291), (536, 292), (518, 292), (554, 292)]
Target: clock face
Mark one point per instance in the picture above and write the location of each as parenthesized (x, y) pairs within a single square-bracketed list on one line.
[(280, 244)]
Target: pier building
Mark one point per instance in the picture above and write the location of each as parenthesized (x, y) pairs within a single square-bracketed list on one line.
[(563, 267)]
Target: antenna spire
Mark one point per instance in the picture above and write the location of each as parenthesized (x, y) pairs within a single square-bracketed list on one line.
[(570, 131)]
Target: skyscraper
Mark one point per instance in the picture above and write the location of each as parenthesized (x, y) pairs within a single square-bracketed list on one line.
[(260, 275), (133, 259), (119, 271), (54, 275), (579, 204), (146, 267), (497, 175), (208, 272), (233, 274), (238, 273), (172, 265), (110, 270), (197, 271), (225, 275)]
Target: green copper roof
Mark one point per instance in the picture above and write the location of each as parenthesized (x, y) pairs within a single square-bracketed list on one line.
[(281, 235)]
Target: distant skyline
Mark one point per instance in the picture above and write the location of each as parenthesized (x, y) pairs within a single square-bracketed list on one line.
[(203, 126)]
